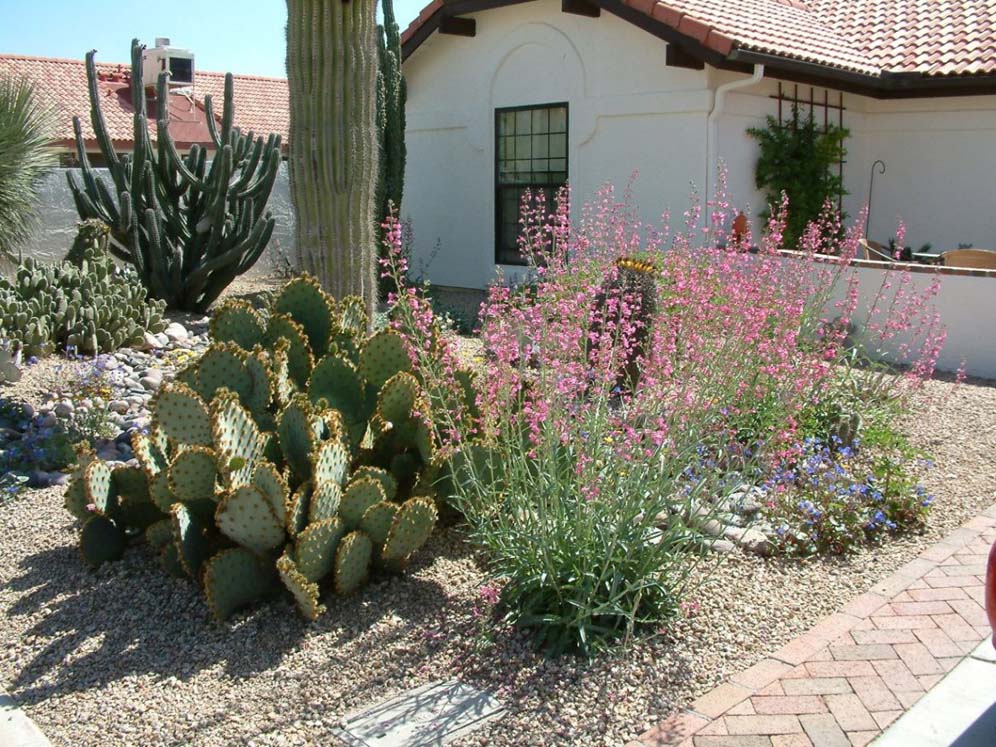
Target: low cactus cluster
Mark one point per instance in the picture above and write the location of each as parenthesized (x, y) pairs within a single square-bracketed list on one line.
[(293, 452), (86, 303)]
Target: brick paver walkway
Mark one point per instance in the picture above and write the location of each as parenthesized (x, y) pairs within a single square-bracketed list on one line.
[(857, 671)]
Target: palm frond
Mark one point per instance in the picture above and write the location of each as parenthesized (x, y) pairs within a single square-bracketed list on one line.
[(26, 130)]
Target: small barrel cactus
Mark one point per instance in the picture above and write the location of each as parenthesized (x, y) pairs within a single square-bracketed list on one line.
[(632, 282)]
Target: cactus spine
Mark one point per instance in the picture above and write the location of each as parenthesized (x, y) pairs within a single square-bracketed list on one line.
[(332, 77), (188, 227)]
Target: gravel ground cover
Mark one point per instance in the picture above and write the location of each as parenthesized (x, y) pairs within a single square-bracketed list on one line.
[(127, 656)]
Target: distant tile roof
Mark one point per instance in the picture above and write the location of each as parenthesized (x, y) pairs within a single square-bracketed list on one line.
[(261, 104), (868, 37)]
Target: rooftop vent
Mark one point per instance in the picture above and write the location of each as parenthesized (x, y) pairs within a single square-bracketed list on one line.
[(179, 63)]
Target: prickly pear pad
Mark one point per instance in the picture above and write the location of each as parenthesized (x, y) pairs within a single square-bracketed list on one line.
[(245, 516), (304, 301), (300, 361), (273, 485), (305, 592), (324, 502), (193, 474), (352, 562), (237, 321), (149, 453), (238, 441), (223, 365), (297, 508), (160, 493), (377, 521), (331, 462), (101, 541), (315, 548), (411, 528), (398, 397), (189, 538), (158, 534), (353, 318), (183, 415), (99, 488), (382, 476), (336, 380), (383, 355), (360, 495), (298, 429), (235, 578), (283, 385)]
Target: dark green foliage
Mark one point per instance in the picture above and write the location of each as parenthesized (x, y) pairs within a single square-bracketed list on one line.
[(800, 159), (188, 226), (392, 94), (86, 306), (26, 130)]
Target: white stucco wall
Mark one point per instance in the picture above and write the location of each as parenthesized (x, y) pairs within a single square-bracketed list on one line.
[(966, 308), (627, 110), (630, 112)]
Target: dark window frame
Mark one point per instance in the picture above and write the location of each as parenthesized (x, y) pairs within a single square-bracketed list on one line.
[(499, 185)]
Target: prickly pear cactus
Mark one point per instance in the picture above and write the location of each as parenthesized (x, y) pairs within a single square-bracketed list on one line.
[(285, 457)]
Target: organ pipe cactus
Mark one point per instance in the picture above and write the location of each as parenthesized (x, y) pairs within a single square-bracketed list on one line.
[(189, 224), (392, 94), (334, 151), (252, 476)]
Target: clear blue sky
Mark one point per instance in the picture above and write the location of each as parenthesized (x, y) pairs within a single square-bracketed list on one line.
[(239, 36)]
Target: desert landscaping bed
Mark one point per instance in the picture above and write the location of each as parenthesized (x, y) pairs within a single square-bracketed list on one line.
[(126, 655)]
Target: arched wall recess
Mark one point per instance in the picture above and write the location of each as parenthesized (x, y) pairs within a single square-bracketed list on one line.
[(534, 63)]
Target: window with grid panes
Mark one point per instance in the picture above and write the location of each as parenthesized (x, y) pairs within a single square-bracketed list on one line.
[(530, 154)]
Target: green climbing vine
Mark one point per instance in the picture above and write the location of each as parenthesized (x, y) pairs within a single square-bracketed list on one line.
[(799, 158)]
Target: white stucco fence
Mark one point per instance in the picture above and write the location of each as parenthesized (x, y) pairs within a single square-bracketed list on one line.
[(966, 304), (58, 219)]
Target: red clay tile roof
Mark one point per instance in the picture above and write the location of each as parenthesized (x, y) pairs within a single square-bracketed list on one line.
[(868, 37), (261, 104)]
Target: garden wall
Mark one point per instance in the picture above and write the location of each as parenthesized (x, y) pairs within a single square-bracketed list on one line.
[(58, 221), (966, 302)]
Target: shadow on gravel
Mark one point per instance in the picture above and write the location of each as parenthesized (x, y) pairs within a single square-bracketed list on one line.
[(130, 618)]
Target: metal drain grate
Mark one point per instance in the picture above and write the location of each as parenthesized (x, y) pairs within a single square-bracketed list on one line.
[(434, 714)]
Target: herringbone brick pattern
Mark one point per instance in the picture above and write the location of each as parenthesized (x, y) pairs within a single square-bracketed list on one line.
[(857, 671)]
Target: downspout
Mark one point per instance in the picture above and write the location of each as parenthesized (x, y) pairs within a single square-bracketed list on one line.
[(712, 130)]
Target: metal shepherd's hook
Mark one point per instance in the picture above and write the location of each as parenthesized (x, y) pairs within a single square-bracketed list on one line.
[(871, 183)]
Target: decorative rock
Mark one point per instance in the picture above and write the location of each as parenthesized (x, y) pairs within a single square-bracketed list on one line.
[(734, 534), (176, 332), (149, 383), (119, 406), (713, 528), (722, 546), (755, 541), (151, 341), (28, 410), (49, 420), (162, 339)]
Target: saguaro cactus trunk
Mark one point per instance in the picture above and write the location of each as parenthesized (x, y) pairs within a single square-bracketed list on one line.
[(332, 76)]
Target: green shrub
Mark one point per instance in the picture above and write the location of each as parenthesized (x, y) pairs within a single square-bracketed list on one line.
[(833, 498), (799, 159), (90, 307), (263, 463)]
